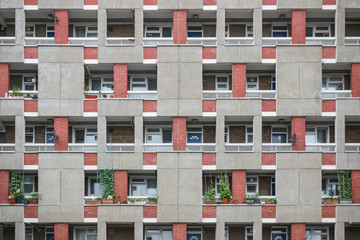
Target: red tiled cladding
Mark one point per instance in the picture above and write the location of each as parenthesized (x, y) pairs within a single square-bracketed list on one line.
[(298, 26), (121, 184), (239, 185), (31, 159), (179, 133), (209, 105), (150, 212), (269, 2), (355, 183), (179, 231), (4, 186), (90, 52), (209, 159), (268, 159), (355, 80), (180, 26), (30, 52), (61, 125), (209, 2), (268, 105), (239, 80), (328, 211), (298, 127), (150, 2), (61, 231), (90, 105), (209, 53), (90, 158), (150, 52), (298, 231), (328, 52), (90, 2), (329, 2), (149, 106), (30, 106), (269, 52), (120, 80), (61, 27), (328, 159), (209, 211), (30, 2), (149, 158), (30, 211), (268, 211), (90, 212), (4, 79), (329, 105)]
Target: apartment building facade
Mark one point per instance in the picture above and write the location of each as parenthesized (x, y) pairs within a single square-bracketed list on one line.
[(165, 98)]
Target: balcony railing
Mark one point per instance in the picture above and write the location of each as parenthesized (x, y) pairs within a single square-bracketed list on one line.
[(239, 41), (83, 41), (34, 41), (202, 41), (143, 94), (320, 147), (239, 147), (120, 41), (261, 94), (201, 147), (120, 147), (326, 94), (7, 40), (157, 41), (7, 147), (325, 41), (24, 93), (82, 147), (217, 94), (272, 41), (39, 147), (352, 40), (158, 147), (276, 147), (97, 94), (352, 147)]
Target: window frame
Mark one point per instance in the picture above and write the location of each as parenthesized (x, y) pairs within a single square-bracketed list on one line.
[(47, 232), (32, 133), (227, 133), (256, 184), (327, 179), (250, 234), (33, 184), (286, 133), (256, 82), (146, 78), (279, 31), (50, 31), (313, 228), (195, 31), (315, 31), (102, 82), (28, 32), (87, 31), (146, 179), (327, 80), (160, 31), (28, 83), (86, 234), (194, 230), (32, 232), (219, 83), (316, 133), (280, 227), (201, 132), (161, 129), (249, 32), (85, 128), (92, 177), (161, 229), (247, 134)]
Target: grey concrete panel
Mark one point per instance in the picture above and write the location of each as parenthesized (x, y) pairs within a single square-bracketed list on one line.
[(49, 182), (298, 214), (245, 4), (10, 54), (339, 230), (11, 213), (72, 213), (139, 132), (49, 80), (120, 54), (102, 230), (257, 133), (58, 160), (11, 107), (287, 187), (72, 80), (116, 213), (126, 160), (167, 186), (310, 186), (168, 160), (258, 22), (238, 214), (180, 4), (168, 107), (298, 160), (167, 213), (49, 54), (347, 161), (241, 107), (138, 229), (348, 54), (299, 4), (12, 161), (238, 160), (310, 80), (220, 230), (20, 134), (139, 27), (19, 26), (168, 81), (220, 26), (102, 26), (190, 107), (190, 80), (348, 107), (340, 132), (340, 27), (19, 231), (65, 107), (348, 213), (190, 213), (104, 160), (299, 53), (220, 133), (288, 80), (72, 187), (63, 4), (124, 4), (49, 213), (63, 54), (348, 4), (120, 107), (188, 54), (11, 4), (299, 107), (168, 54), (241, 54), (190, 187), (190, 160)]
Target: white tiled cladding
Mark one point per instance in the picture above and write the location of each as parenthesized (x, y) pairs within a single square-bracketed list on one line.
[(180, 4), (298, 4), (63, 4), (11, 214)]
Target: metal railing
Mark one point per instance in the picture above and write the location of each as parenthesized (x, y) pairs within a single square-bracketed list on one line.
[(325, 41), (352, 40), (239, 41), (320, 147), (201, 147), (39, 147), (34, 41), (239, 147), (99, 94), (7, 40), (120, 41), (276, 147), (7, 147), (23, 94), (158, 147), (272, 41), (217, 94), (83, 41), (202, 41), (120, 147), (82, 147), (142, 94), (261, 94), (352, 147), (327, 94), (157, 41)]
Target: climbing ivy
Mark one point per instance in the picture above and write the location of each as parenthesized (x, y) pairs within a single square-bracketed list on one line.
[(107, 180)]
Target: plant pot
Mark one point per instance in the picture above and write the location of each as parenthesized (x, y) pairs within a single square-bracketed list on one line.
[(93, 202), (124, 203), (152, 202), (250, 201), (209, 202), (346, 201), (23, 201), (111, 96), (12, 201), (257, 201), (225, 200), (269, 202), (90, 96), (230, 202), (331, 202), (107, 201), (235, 201), (18, 201), (33, 202)]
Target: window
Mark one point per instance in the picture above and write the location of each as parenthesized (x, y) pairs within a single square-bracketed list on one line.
[(280, 31), (49, 233), (29, 185), (279, 135), (194, 233), (227, 31), (95, 188), (317, 233), (249, 233), (273, 186), (85, 233), (251, 185), (102, 84), (252, 83), (50, 31), (158, 135), (330, 186), (279, 233), (86, 31), (226, 140), (29, 233), (316, 135), (158, 32), (194, 135), (49, 135), (85, 135), (273, 83), (143, 187), (249, 31), (222, 83), (164, 233), (29, 135), (29, 31), (249, 134), (29, 83), (333, 83), (143, 84), (91, 32), (196, 32)]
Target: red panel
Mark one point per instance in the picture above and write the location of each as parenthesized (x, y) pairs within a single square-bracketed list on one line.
[(120, 80), (4, 79), (149, 106), (31, 159), (355, 79), (268, 105), (239, 185), (328, 159), (90, 212), (150, 212), (209, 53), (150, 2), (298, 231), (298, 127), (298, 26), (30, 105), (90, 53), (268, 2), (268, 211), (90, 105), (30, 2), (209, 211), (61, 125), (269, 52), (30, 53), (180, 28), (149, 158), (239, 80), (179, 231), (61, 231), (61, 27), (4, 187), (328, 52), (209, 105), (209, 159), (209, 2), (268, 159), (90, 158), (355, 181), (30, 211), (121, 184), (329, 105), (150, 52), (328, 211), (179, 133), (329, 2), (90, 2)]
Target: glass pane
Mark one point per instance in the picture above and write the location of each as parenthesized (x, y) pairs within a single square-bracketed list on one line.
[(153, 28), (153, 35), (194, 28), (222, 87), (323, 186), (280, 28), (194, 137), (335, 86), (79, 136), (167, 235), (139, 87), (28, 237), (195, 34), (151, 187), (96, 85), (80, 234), (308, 235), (92, 28), (310, 137), (322, 136), (278, 138), (49, 236), (138, 190), (28, 188), (152, 84), (250, 138), (167, 136), (29, 138), (29, 87), (50, 34), (309, 32), (91, 35), (279, 34), (323, 84), (153, 138), (251, 188), (91, 138), (80, 31), (108, 87), (92, 237), (166, 32)]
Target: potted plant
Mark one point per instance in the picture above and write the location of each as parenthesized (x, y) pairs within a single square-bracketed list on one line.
[(124, 202), (152, 200), (104, 95), (16, 91), (250, 199), (34, 198), (94, 201), (345, 191), (108, 200), (16, 189), (225, 193), (131, 200), (118, 199), (107, 180), (235, 201), (210, 195), (271, 201), (35, 96), (331, 200)]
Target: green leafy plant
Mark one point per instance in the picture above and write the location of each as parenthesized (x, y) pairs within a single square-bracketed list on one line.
[(273, 200), (104, 95), (210, 195), (153, 199), (16, 91), (34, 196), (107, 180), (224, 187), (331, 198), (131, 200), (86, 88), (16, 186), (252, 197), (345, 191)]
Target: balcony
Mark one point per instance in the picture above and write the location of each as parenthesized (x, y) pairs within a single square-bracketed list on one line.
[(7, 147), (39, 147), (320, 147), (217, 94), (273, 41), (330, 94), (235, 147), (276, 147), (325, 41), (235, 41), (204, 41), (35, 41), (352, 41), (352, 147), (148, 95), (154, 41), (82, 147), (267, 94), (118, 41), (84, 41), (201, 147), (120, 147), (158, 147), (7, 40), (98, 94)]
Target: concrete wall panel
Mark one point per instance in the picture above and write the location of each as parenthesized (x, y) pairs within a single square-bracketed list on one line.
[(65, 107), (11, 4), (238, 160), (298, 107), (299, 4), (63, 4), (239, 214), (11, 54), (12, 160), (298, 214), (124, 4), (120, 107), (11, 214), (348, 213), (116, 54), (124, 214), (348, 161), (242, 54), (12, 107), (243, 107), (126, 160), (245, 4)]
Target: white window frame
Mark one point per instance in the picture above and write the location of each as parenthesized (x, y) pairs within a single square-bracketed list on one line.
[(322, 31), (250, 234), (34, 81), (273, 181), (227, 134), (102, 82), (29, 32), (201, 131), (327, 79), (87, 31), (146, 82), (252, 184), (247, 133), (316, 133), (28, 234), (313, 228), (202, 31), (48, 232), (86, 132), (161, 129), (87, 232), (220, 83), (194, 230), (160, 229), (48, 130), (280, 25), (248, 32), (328, 178), (33, 184), (160, 31), (216, 183), (273, 231), (89, 186), (273, 132), (252, 83), (145, 182), (31, 133), (273, 80), (49, 31), (227, 32)]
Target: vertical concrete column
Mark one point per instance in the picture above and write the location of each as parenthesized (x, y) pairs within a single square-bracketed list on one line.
[(339, 231), (61, 231), (19, 133), (4, 186), (258, 230), (61, 24), (298, 26), (355, 79), (297, 231), (102, 130), (19, 26), (4, 79), (102, 26), (298, 127), (101, 231), (139, 25), (138, 230), (180, 26), (340, 26), (220, 26), (139, 134), (340, 132), (220, 231), (19, 231), (61, 126), (121, 184), (220, 133), (239, 185), (120, 80), (257, 27), (179, 231), (239, 80), (355, 186), (257, 133), (179, 133)]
